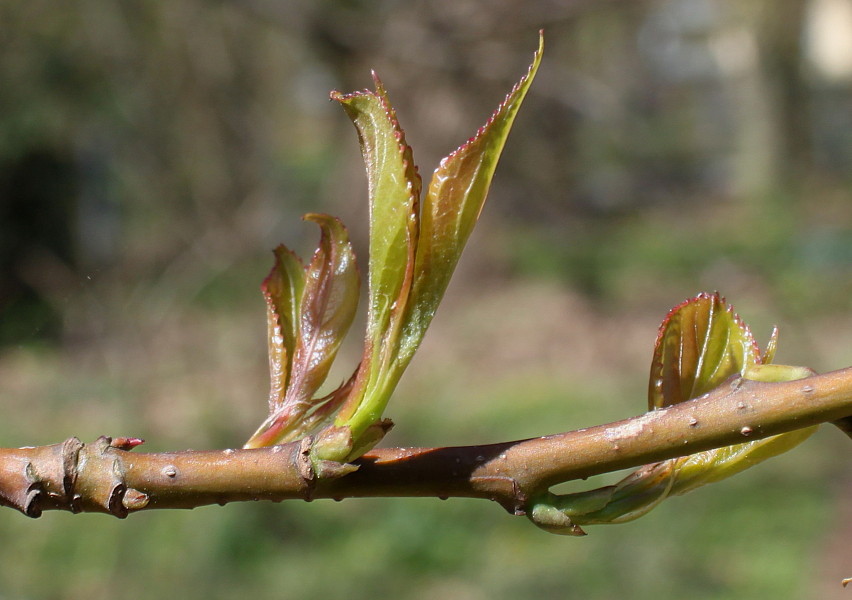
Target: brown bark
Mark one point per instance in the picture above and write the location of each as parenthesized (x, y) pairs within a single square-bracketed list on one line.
[(105, 477)]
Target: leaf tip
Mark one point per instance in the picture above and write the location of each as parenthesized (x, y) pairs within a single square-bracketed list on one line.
[(512, 100), (380, 88), (769, 354)]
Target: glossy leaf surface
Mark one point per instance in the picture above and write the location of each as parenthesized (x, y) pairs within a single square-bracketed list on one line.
[(328, 298), (394, 190), (452, 205), (412, 252), (701, 343), (282, 290), (328, 306)]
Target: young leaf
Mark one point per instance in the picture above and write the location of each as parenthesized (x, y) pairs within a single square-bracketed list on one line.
[(701, 343), (453, 202), (291, 422), (328, 306), (282, 290), (328, 298), (408, 274), (413, 253), (394, 190)]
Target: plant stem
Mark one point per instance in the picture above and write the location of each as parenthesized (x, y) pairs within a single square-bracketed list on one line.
[(103, 477)]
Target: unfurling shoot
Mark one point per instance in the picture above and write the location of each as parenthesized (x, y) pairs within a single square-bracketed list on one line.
[(415, 244)]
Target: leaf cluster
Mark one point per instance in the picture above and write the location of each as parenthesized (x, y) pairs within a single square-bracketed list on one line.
[(416, 240), (415, 244)]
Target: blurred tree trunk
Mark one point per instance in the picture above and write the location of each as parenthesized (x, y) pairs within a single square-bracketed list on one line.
[(769, 97)]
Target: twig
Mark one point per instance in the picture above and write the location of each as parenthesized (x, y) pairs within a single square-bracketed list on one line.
[(104, 477)]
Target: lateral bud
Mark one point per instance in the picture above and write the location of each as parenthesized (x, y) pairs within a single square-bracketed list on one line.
[(332, 444), (553, 520)]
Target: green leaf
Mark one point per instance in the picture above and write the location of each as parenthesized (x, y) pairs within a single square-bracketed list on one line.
[(408, 275), (413, 253), (700, 344), (452, 205), (394, 190)]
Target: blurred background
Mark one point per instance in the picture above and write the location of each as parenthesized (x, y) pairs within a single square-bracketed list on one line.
[(152, 154)]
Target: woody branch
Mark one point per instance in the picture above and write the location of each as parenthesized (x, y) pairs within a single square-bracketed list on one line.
[(104, 477)]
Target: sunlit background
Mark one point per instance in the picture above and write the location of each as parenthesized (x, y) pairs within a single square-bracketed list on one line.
[(152, 154)]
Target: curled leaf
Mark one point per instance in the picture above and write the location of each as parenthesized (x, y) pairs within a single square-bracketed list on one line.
[(328, 306), (327, 300), (394, 191), (701, 343), (282, 290), (413, 253)]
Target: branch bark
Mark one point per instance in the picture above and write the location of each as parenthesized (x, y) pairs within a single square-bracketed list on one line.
[(104, 477)]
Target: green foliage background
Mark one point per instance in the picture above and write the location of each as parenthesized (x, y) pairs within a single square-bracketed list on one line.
[(152, 154)]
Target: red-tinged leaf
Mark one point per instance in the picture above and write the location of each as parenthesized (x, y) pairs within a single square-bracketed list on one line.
[(329, 298), (282, 290), (700, 344), (452, 205), (291, 423), (328, 306)]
